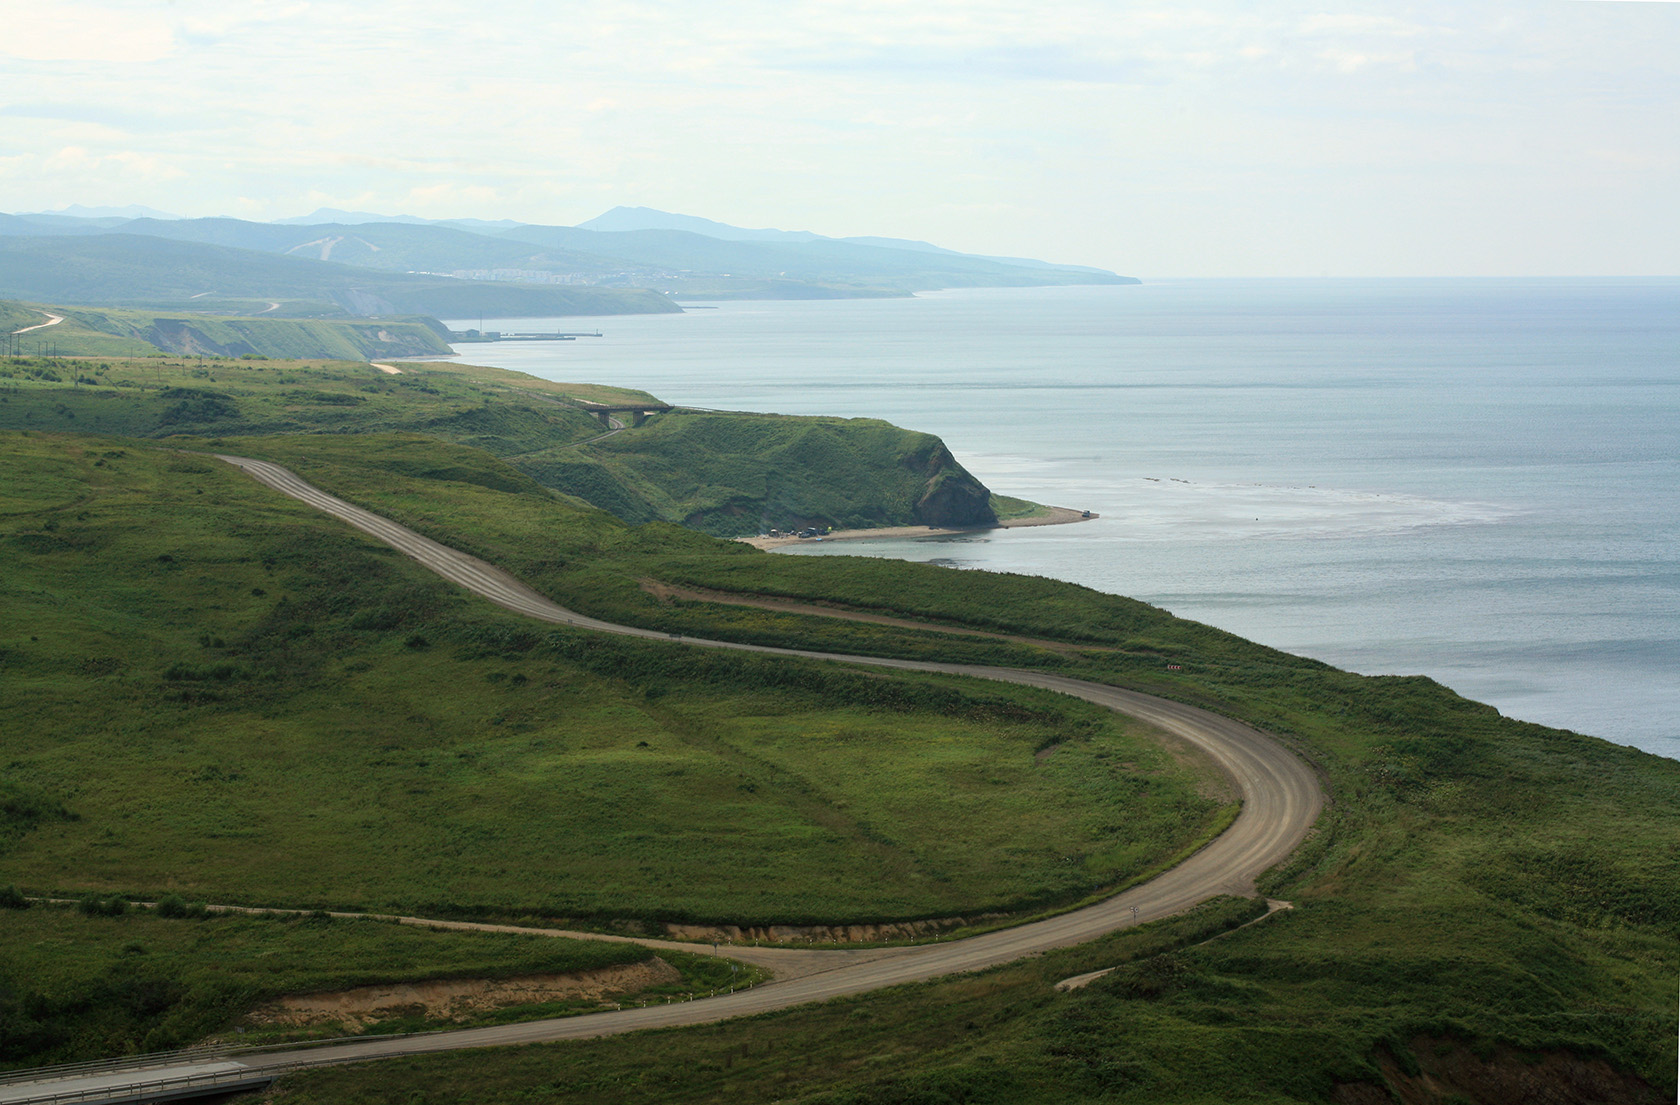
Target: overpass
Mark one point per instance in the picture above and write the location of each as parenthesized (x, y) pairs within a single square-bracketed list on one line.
[(638, 412)]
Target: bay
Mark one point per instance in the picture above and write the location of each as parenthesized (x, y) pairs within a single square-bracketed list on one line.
[(1475, 480)]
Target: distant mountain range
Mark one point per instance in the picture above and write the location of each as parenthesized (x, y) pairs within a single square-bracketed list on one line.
[(359, 263), (77, 211), (647, 218)]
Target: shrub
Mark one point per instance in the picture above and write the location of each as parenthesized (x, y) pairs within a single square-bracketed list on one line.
[(12, 898), (173, 905), (95, 906)]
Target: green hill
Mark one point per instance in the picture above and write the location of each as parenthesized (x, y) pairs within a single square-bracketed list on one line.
[(113, 332), (724, 473), (731, 474)]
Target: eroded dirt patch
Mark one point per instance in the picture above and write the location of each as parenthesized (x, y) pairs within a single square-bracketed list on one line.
[(886, 932), (453, 998)]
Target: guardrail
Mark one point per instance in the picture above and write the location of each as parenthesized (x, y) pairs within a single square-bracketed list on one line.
[(157, 1060), (203, 1052), (170, 1089), (157, 1089)]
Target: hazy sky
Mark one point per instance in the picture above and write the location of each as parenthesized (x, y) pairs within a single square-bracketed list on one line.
[(1463, 137)]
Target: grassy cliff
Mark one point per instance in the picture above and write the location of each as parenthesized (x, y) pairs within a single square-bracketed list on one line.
[(723, 473), (731, 474)]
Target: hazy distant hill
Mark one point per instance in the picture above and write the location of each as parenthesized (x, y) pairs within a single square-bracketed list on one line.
[(648, 218), (403, 247), (674, 254), (135, 269), (355, 218), (77, 211), (691, 258)]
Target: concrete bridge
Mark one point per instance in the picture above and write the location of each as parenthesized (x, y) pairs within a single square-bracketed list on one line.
[(638, 412)]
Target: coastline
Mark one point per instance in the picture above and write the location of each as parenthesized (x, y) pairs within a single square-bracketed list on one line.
[(1051, 516)]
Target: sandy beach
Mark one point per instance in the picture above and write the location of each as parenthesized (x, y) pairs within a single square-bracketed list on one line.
[(1053, 516)]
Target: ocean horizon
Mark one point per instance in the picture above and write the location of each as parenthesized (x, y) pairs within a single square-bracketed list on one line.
[(1470, 479)]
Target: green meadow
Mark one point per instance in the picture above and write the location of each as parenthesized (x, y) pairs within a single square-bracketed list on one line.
[(215, 691), (130, 332), (1324, 1003), (77, 982), (219, 692)]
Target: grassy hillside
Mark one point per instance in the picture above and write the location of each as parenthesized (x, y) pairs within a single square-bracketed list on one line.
[(1300, 1008), (215, 691), (500, 411), (731, 474), (1487, 903), (108, 332), (1482, 891), (77, 982), (726, 474)]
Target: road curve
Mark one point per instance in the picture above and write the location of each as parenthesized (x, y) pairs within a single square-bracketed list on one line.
[(1281, 799), (52, 320)]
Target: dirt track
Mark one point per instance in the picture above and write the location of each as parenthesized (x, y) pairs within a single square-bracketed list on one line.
[(1280, 793)]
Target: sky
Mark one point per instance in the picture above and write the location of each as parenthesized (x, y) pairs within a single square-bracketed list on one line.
[(1539, 137)]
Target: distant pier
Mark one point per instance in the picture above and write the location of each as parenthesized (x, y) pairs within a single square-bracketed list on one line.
[(467, 337)]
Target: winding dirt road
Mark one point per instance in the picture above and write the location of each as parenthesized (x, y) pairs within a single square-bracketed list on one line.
[(1280, 794), (52, 320)]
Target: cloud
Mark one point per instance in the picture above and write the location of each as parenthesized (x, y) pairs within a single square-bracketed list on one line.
[(114, 117), (85, 32), (1351, 61), (1048, 62), (995, 124), (1355, 24), (125, 164)]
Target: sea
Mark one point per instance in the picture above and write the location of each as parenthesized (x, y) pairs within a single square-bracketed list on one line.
[(1476, 480)]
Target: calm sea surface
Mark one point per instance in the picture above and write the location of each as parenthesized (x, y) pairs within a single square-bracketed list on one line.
[(1475, 480)]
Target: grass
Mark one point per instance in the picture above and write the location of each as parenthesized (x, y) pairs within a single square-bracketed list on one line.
[(120, 332), (580, 556), (733, 474), (727, 474), (1007, 508), (75, 986), (1478, 883), (1543, 860), (240, 700), (1286, 1010), (164, 397)]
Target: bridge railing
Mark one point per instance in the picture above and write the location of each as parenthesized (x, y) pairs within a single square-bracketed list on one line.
[(155, 1089), (157, 1060), (201, 1053), (166, 1088)]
